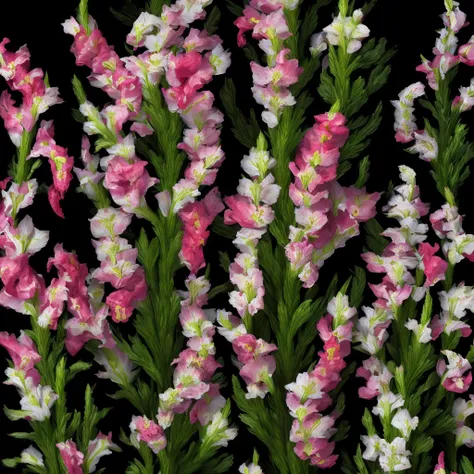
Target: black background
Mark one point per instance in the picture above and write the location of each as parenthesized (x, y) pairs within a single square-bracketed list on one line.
[(409, 26)]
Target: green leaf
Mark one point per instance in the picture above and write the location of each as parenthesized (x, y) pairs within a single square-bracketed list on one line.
[(212, 22), (83, 15), (244, 131), (357, 287), (364, 166), (375, 242), (19, 435), (127, 14), (76, 368), (11, 462), (234, 8), (224, 260), (467, 466), (78, 90), (224, 230)]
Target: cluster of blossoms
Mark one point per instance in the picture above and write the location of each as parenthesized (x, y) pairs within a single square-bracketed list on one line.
[(327, 213), (344, 31), (36, 399), (125, 176), (391, 454), (188, 63), (406, 252), (20, 122), (117, 263), (74, 460), (37, 96), (196, 365), (405, 121), (24, 290), (267, 22), (457, 245), (446, 53), (402, 255), (251, 209), (309, 396), (396, 261), (109, 73), (83, 295)]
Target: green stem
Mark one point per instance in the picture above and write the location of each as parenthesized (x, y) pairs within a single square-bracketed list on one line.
[(21, 168)]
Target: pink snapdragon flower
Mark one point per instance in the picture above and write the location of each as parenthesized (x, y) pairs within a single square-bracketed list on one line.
[(466, 52), (73, 459), (89, 314), (454, 376), (128, 183), (440, 466), (457, 245), (61, 164), (21, 285), (196, 218), (433, 267), (377, 376), (23, 352), (149, 432)]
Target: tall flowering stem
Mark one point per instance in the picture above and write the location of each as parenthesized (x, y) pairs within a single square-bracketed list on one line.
[(157, 91), (445, 146), (407, 375), (310, 394), (273, 337), (39, 370)]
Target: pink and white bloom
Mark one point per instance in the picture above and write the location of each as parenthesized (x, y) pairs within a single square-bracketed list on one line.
[(143, 429), (73, 459)]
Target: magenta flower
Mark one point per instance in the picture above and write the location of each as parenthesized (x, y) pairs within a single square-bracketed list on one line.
[(23, 352), (11, 61), (196, 218), (454, 377), (149, 432), (243, 212), (250, 17), (123, 301), (257, 374), (73, 459), (128, 182), (248, 347), (21, 283), (466, 53), (433, 267), (207, 406)]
